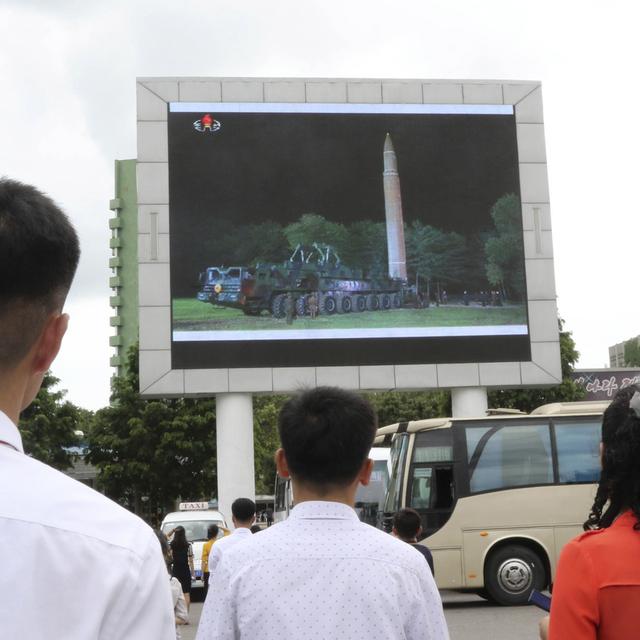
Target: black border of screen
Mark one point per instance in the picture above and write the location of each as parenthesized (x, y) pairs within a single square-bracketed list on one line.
[(341, 352)]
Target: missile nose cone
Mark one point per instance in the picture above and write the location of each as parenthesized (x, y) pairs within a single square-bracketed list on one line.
[(388, 145)]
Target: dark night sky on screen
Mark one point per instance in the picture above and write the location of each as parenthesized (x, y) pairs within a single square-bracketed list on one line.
[(276, 167)]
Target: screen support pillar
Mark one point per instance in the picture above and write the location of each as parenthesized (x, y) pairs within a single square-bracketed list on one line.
[(469, 402), (234, 442)]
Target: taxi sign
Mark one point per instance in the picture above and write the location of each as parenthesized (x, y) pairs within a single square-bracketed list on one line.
[(193, 506)]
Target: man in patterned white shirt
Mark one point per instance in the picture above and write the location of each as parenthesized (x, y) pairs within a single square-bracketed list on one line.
[(322, 573)]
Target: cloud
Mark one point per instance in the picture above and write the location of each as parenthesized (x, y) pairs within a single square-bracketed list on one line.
[(68, 110)]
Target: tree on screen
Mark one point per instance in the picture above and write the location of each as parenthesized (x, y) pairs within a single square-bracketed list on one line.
[(264, 242), (436, 256), (48, 426), (312, 227), (366, 247), (504, 249)]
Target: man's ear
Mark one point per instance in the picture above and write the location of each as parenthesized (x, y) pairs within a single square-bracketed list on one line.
[(281, 464), (48, 344), (364, 477)]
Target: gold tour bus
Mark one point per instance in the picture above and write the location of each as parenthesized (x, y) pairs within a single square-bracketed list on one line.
[(500, 495)]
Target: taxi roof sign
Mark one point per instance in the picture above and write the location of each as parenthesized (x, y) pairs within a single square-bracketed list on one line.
[(193, 506)]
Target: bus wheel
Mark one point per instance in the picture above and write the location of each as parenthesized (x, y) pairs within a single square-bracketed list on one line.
[(511, 573)]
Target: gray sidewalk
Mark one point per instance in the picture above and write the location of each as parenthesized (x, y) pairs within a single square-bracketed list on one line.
[(188, 631)]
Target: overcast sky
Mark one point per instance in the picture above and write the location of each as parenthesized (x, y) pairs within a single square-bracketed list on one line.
[(67, 110)]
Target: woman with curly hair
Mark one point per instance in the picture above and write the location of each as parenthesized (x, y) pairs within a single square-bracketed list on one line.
[(596, 595)]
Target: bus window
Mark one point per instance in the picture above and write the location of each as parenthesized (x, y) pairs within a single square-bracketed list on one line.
[(578, 445), (503, 456), (398, 454), (421, 488)]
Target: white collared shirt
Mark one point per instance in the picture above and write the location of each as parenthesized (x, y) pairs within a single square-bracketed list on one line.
[(322, 574), (76, 566), (221, 546)]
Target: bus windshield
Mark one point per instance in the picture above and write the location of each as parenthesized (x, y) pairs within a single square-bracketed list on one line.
[(397, 458)]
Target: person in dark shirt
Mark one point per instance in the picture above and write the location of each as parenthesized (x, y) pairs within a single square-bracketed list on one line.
[(407, 525)]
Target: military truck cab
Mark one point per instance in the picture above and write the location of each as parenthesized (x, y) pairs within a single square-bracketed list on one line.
[(227, 287)]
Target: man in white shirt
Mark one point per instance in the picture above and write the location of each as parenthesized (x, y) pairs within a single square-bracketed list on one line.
[(322, 573), (243, 515), (76, 565)]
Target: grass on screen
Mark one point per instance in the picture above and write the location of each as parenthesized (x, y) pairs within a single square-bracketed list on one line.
[(193, 315)]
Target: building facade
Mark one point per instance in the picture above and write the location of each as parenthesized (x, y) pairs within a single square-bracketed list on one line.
[(625, 354), (123, 264)]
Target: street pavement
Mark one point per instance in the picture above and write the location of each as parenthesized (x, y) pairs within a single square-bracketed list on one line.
[(469, 618)]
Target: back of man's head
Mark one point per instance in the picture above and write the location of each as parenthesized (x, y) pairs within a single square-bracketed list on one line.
[(326, 434), (39, 253), (407, 523), (243, 510)]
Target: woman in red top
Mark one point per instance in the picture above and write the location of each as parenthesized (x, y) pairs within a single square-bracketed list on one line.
[(596, 594)]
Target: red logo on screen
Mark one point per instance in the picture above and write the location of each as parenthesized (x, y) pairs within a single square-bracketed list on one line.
[(206, 124)]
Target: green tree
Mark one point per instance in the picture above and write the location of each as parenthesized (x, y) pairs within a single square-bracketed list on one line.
[(312, 227), (567, 391), (266, 440), (504, 250), (404, 406), (366, 247), (632, 353), (153, 451), (49, 424), (436, 256), (264, 242)]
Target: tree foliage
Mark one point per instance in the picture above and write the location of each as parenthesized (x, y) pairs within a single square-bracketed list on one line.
[(49, 424), (312, 227), (567, 391), (435, 255), (404, 406), (632, 353), (266, 440), (153, 451), (504, 249)]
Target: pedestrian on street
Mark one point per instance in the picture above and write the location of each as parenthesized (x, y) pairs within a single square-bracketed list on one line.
[(322, 573), (76, 565), (243, 515), (212, 534), (596, 592), (182, 553), (407, 526)]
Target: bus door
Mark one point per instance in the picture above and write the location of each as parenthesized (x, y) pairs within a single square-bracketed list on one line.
[(430, 490)]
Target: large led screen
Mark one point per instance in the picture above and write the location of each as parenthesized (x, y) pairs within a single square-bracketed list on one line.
[(321, 234)]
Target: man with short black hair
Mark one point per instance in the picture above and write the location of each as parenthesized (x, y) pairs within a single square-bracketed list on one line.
[(322, 573), (243, 515), (407, 525), (76, 565)]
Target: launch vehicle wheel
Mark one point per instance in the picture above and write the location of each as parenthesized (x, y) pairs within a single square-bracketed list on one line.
[(373, 304), (327, 305), (301, 306), (361, 303), (277, 306), (346, 305), (396, 301), (385, 301)]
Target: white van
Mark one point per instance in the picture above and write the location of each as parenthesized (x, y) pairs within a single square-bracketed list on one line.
[(195, 521)]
